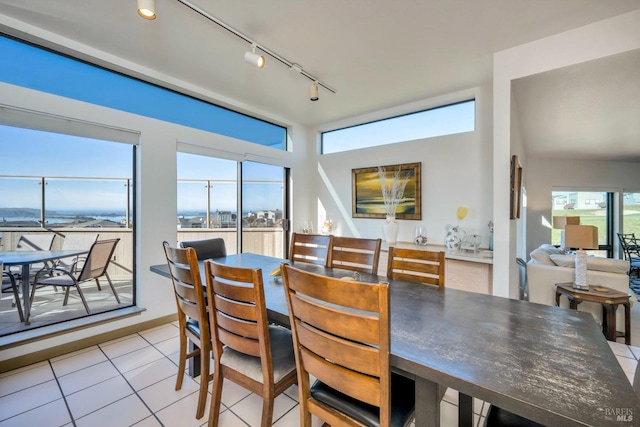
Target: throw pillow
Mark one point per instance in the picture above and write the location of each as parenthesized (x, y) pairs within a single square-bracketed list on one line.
[(541, 254)]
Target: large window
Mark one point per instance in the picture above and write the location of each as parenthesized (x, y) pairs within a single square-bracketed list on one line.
[(593, 208), (67, 187), (209, 206), (446, 120), (631, 213)]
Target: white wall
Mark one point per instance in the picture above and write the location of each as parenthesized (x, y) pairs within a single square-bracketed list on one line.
[(604, 38), (545, 175), (456, 170)]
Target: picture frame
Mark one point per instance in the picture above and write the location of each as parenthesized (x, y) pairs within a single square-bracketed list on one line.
[(516, 187), (366, 192)]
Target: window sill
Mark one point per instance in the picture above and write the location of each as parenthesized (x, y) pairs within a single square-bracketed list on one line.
[(21, 338)]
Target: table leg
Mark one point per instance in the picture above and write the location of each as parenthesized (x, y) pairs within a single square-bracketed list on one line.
[(427, 403), (25, 293), (609, 321), (573, 303), (627, 323), (465, 410)]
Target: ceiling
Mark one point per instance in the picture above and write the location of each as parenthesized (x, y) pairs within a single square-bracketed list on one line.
[(376, 54)]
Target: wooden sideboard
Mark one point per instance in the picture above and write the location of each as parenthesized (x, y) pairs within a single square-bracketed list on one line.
[(465, 271)]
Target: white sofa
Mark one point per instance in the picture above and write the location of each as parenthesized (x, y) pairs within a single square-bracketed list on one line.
[(549, 266)]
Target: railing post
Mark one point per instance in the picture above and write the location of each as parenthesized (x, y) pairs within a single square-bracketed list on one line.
[(42, 204)]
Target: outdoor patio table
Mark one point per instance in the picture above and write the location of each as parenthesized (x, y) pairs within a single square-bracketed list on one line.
[(549, 364), (25, 259)]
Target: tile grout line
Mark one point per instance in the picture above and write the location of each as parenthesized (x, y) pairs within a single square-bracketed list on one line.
[(64, 397)]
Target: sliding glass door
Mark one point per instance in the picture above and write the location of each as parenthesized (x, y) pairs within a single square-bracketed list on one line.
[(212, 204), (263, 209)]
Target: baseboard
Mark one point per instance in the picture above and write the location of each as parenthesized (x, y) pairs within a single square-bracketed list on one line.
[(39, 356)]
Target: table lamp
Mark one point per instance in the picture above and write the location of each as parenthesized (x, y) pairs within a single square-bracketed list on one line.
[(581, 237), (560, 222)]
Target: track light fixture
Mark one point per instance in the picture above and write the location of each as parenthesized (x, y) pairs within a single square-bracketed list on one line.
[(253, 58), (313, 91), (147, 9)]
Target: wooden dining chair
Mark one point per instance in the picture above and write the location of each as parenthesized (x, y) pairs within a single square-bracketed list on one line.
[(207, 248), (356, 254), (311, 248), (416, 265), (341, 337), (192, 316), (247, 350)]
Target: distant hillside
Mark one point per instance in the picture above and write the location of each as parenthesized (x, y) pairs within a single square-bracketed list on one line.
[(19, 213)]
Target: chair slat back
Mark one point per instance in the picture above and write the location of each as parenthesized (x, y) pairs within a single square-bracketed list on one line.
[(341, 336), (98, 259), (416, 265), (356, 254), (187, 285), (311, 248), (237, 310)]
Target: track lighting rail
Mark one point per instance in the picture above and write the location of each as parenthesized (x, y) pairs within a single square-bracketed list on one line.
[(291, 65)]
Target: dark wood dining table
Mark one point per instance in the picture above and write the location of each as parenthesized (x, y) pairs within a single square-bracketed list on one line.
[(25, 259), (549, 364)]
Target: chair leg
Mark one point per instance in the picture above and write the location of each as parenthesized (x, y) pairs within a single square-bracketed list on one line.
[(33, 293), (98, 283), (267, 410), (182, 363), (204, 382), (16, 297), (84, 301), (115, 294), (216, 396)]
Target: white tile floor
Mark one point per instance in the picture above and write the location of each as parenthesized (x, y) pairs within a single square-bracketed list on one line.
[(130, 381)]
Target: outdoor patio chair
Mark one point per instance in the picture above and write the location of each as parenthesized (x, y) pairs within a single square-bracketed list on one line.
[(72, 241), (342, 338), (94, 267), (207, 248), (33, 242), (631, 248)]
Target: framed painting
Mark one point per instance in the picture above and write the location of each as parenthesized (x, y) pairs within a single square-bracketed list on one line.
[(366, 192), (516, 187)]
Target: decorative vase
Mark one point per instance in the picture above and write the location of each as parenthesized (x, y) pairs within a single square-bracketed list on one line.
[(454, 237), (390, 230), (420, 236)]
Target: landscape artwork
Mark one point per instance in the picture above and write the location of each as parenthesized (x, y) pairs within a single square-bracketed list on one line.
[(367, 201)]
